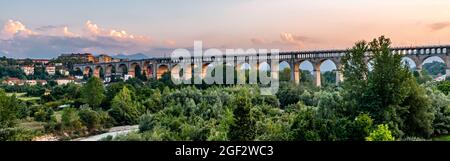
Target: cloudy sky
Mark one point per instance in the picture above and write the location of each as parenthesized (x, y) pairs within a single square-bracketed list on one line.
[(47, 28)]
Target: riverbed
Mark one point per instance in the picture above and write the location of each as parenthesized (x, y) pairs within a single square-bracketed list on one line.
[(120, 130)]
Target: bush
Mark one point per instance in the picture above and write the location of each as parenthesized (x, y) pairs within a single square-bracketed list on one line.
[(43, 114), (146, 122), (361, 127), (70, 121), (382, 133), (52, 125), (89, 118), (16, 134)]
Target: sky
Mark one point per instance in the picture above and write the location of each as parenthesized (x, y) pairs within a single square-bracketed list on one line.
[(47, 28)]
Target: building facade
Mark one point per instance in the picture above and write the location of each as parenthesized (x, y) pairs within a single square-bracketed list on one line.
[(28, 70)]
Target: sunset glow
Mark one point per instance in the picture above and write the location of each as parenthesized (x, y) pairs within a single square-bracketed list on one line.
[(47, 28)]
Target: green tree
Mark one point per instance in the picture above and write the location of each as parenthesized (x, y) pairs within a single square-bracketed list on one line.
[(89, 118), (305, 124), (419, 118), (355, 71), (8, 110), (92, 93), (393, 94), (435, 68), (389, 93), (70, 121), (329, 78), (381, 133), (124, 109), (361, 127), (441, 108), (243, 126), (444, 87)]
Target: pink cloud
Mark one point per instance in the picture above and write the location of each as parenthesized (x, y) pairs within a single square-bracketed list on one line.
[(258, 41), (13, 28), (439, 26), (170, 42)]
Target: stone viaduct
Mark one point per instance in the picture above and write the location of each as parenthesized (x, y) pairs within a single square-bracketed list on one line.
[(156, 67)]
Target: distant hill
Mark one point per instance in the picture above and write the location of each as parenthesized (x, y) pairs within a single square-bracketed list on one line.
[(132, 56)]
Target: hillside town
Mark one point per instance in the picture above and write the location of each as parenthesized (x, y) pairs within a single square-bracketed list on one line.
[(39, 71)]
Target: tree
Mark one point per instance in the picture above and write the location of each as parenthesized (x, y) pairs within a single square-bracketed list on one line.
[(124, 109), (441, 109), (355, 71), (8, 110), (70, 121), (435, 68), (285, 74), (394, 96), (329, 78), (305, 124), (146, 122), (444, 87), (289, 94), (89, 118), (389, 93), (92, 93), (361, 127), (243, 126), (381, 133), (418, 121), (155, 102)]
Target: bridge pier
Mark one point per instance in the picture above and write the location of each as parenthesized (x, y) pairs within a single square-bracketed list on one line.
[(318, 81), (447, 72), (295, 73), (339, 77)]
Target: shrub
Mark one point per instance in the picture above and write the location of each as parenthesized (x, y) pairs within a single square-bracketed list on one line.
[(16, 134), (70, 121), (89, 118), (381, 133), (52, 125), (146, 122)]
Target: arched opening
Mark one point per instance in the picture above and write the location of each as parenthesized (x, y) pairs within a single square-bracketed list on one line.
[(177, 72), (110, 73), (409, 62), (285, 71), (242, 73), (161, 70), (207, 68), (99, 72), (306, 72), (122, 69), (435, 67), (77, 72), (264, 71), (87, 72), (135, 71), (328, 71), (110, 69)]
